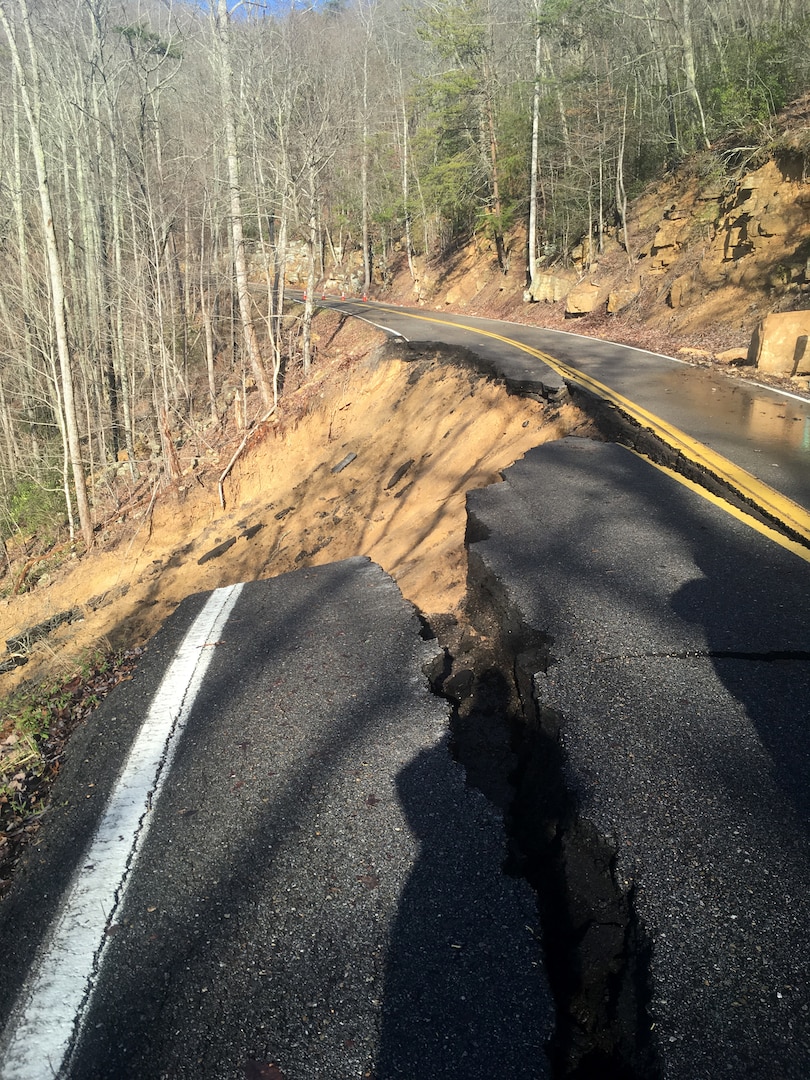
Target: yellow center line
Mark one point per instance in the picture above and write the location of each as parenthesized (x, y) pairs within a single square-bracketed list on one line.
[(757, 492), (752, 522)]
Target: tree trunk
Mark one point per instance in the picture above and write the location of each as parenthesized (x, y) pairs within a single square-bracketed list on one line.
[(249, 337), (496, 207), (306, 335), (31, 97), (405, 193), (535, 163), (621, 191)]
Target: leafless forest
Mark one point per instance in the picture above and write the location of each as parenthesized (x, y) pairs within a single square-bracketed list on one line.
[(164, 164)]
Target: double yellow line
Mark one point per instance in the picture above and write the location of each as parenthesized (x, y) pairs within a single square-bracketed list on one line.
[(758, 494)]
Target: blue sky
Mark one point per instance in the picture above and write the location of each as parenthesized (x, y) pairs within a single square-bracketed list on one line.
[(268, 7)]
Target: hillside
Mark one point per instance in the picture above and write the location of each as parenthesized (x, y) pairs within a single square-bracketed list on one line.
[(712, 250), (710, 256)]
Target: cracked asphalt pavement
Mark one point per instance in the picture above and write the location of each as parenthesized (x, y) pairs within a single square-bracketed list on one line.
[(678, 686), (319, 893)]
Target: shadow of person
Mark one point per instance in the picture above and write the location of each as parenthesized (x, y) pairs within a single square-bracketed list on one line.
[(465, 989)]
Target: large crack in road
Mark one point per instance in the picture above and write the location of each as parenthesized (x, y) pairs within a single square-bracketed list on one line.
[(595, 951)]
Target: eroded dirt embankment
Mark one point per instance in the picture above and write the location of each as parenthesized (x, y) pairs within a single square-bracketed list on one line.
[(412, 434), (420, 432)]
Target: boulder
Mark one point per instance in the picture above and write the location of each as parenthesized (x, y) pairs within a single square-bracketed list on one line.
[(582, 299), (549, 288), (802, 354), (732, 356), (623, 295), (779, 345), (679, 291)]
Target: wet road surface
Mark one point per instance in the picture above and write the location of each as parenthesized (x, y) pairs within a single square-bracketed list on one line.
[(765, 431)]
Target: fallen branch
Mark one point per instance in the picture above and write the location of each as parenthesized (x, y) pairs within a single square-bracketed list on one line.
[(37, 559), (239, 450)]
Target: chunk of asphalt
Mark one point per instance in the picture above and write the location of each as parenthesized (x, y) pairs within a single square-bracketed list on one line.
[(215, 552), (683, 764), (398, 474), (24, 641), (341, 465), (319, 891)]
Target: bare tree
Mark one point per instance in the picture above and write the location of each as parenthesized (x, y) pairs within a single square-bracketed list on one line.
[(535, 150), (249, 336), (30, 90)]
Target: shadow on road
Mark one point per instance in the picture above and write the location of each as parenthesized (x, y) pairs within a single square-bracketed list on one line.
[(463, 993)]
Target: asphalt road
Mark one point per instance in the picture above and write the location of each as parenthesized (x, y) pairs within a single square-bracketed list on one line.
[(676, 682), (302, 885), (262, 862), (764, 431)]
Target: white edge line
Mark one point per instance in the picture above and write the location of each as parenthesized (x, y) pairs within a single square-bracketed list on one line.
[(580, 337), (56, 995), (565, 333), (385, 329), (334, 306), (774, 390), (379, 326)]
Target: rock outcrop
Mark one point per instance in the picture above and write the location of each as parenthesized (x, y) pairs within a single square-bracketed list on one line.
[(582, 299), (780, 346), (708, 252)]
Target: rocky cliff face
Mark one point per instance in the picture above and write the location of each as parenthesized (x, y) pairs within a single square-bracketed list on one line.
[(704, 248), (738, 248), (711, 253), (712, 262)]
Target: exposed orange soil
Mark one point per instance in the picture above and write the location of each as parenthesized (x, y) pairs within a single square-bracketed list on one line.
[(287, 508)]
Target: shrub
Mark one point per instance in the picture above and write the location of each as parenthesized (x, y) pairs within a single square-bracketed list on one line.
[(33, 507)]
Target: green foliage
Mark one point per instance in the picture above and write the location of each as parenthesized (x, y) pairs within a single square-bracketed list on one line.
[(33, 507), (141, 39), (38, 719), (750, 82), (446, 145), (27, 721), (455, 28)]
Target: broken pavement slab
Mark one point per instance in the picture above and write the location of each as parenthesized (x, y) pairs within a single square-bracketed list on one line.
[(667, 649), (318, 890)]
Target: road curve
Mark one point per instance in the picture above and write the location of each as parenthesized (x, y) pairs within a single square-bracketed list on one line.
[(302, 884), (753, 439)]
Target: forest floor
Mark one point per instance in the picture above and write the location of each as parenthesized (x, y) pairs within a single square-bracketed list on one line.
[(424, 432)]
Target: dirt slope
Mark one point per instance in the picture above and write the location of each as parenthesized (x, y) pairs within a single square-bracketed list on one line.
[(713, 248), (423, 431)]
